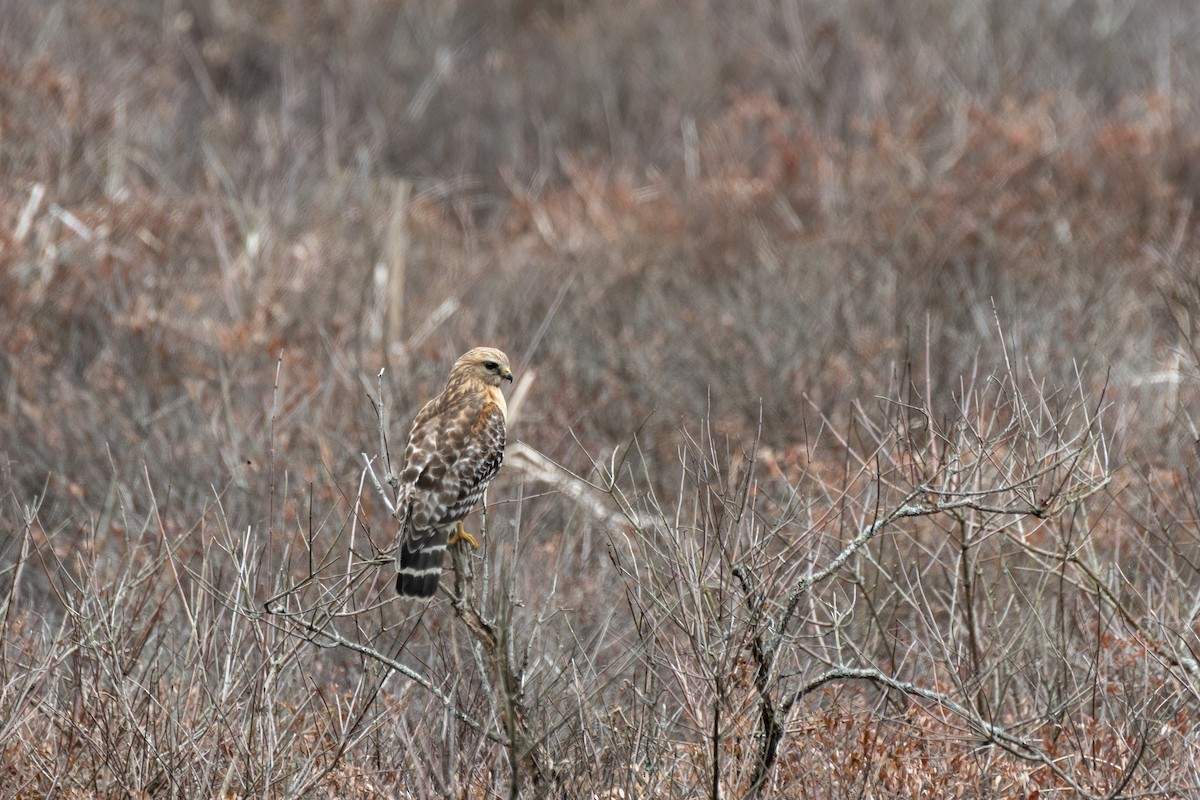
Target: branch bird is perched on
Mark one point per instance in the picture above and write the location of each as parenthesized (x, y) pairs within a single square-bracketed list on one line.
[(454, 448)]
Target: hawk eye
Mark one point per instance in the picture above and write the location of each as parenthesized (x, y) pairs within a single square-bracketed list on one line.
[(490, 365)]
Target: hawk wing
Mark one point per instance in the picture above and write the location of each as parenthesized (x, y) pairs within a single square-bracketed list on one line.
[(452, 453)]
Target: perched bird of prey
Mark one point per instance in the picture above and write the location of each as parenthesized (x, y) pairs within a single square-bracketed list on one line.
[(454, 448)]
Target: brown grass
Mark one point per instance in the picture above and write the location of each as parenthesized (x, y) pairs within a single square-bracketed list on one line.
[(772, 272)]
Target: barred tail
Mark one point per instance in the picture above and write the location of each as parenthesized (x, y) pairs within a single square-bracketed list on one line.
[(420, 570)]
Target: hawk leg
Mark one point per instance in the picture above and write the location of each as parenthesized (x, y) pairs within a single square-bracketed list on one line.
[(460, 535)]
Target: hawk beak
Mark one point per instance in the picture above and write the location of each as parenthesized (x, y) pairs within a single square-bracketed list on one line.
[(507, 376)]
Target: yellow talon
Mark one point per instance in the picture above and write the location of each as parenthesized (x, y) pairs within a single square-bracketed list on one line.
[(460, 535)]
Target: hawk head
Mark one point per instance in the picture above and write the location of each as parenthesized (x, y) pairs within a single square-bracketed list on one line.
[(485, 364)]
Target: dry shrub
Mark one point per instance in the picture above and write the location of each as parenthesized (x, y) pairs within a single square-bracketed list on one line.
[(765, 216)]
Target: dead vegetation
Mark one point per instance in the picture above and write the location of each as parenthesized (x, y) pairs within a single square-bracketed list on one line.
[(856, 445)]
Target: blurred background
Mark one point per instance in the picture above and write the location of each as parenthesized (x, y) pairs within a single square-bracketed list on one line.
[(663, 210)]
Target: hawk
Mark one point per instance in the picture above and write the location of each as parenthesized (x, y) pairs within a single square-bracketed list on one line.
[(454, 448)]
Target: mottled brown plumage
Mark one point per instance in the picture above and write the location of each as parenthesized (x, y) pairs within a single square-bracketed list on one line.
[(454, 448)]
